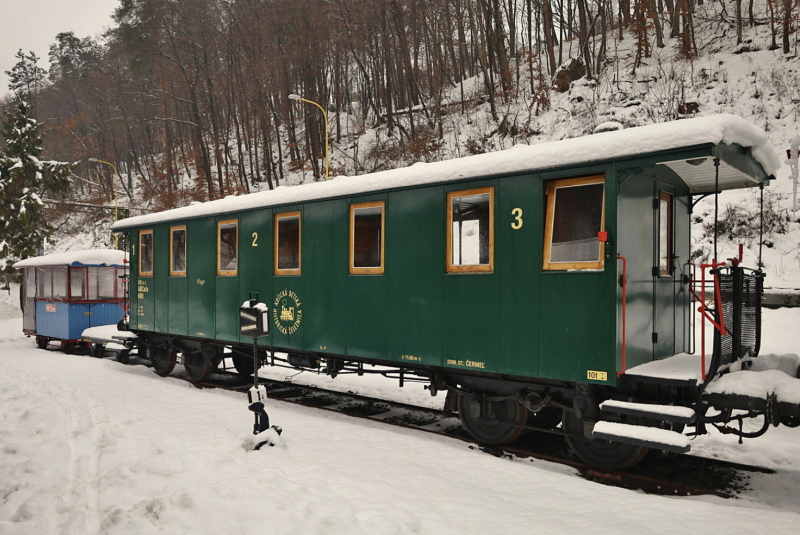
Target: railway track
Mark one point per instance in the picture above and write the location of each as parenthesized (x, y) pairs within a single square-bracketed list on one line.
[(674, 475)]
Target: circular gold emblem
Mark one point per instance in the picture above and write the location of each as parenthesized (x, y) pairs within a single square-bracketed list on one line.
[(287, 312)]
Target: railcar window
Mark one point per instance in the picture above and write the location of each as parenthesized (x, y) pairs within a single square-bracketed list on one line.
[(366, 238), (60, 281), (30, 282), (77, 282), (287, 243), (44, 282), (106, 283), (575, 216), (665, 242), (470, 231), (177, 251), (227, 239), (145, 253)]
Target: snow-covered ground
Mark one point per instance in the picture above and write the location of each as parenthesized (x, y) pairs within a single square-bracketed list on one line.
[(93, 446)]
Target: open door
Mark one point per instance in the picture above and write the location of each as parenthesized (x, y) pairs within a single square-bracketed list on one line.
[(670, 244), (28, 300)]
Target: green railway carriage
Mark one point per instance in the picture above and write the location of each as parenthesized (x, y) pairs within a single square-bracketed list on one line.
[(496, 276)]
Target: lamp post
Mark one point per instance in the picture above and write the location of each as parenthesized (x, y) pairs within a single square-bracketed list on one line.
[(325, 116), (116, 203)]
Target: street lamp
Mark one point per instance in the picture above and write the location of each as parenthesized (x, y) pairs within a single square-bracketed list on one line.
[(325, 115), (116, 203)]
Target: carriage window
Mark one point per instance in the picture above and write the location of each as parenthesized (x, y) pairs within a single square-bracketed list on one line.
[(575, 216), (470, 231), (60, 281), (366, 238), (30, 282), (226, 247), (177, 251), (44, 282), (106, 283), (665, 242), (145, 253), (77, 282), (287, 243), (119, 274)]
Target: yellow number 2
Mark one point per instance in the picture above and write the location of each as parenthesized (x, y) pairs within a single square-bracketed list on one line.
[(255, 239), (517, 213)]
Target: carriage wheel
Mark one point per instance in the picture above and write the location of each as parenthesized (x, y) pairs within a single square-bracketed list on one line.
[(602, 454), (69, 347), (162, 359), (42, 341), (98, 351), (197, 366), (243, 364), (124, 356), (492, 422)]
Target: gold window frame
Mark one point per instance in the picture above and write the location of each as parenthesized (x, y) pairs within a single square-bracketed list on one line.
[(480, 268), (367, 270), (552, 186), (668, 198), (173, 273), (227, 272), (152, 253), (290, 271)]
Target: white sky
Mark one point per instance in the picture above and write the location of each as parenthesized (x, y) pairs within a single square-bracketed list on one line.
[(33, 25)]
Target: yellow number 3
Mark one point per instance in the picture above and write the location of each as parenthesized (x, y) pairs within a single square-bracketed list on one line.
[(517, 213)]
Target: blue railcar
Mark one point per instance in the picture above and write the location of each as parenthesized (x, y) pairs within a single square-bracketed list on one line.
[(65, 293)]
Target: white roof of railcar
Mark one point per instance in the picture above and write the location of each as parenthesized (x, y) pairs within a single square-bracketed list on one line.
[(717, 129), (88, 257)]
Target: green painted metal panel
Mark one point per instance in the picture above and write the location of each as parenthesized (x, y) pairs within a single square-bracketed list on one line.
[(325, 257), (255, 267), (471, 323), (228, 301), (287, 304), (178, 313), (161, 278), (201, 273), (415, 228), (133, 273), (519, 234), (227, 295), (145, 292), (367, 310), (576, 338), (577, 317)]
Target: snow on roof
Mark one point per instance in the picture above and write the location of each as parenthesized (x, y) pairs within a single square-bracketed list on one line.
[(649, 139), (88, 257)]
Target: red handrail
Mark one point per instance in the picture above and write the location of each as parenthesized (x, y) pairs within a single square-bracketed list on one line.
[(703, 310), (624, 311)]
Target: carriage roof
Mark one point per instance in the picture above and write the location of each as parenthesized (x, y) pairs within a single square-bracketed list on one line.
[(747, 159), (88, 257)]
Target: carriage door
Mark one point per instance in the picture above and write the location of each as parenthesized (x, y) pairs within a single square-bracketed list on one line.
[(666, 275), (29, 300)]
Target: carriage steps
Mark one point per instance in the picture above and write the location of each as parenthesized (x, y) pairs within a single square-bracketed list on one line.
[(640, 435)]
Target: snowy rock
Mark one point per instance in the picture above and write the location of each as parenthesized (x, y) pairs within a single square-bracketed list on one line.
[(608, 126), (271, 437)]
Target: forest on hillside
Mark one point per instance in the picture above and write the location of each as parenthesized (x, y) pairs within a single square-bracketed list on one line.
[(189, 99)]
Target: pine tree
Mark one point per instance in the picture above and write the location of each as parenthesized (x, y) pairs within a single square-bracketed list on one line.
[(25, 179), (26, 78)]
